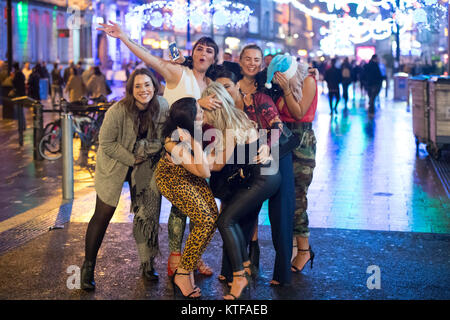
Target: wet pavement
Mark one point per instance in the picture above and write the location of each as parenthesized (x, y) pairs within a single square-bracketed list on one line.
[(374, 200)]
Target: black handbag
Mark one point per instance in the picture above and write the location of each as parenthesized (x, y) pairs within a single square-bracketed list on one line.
[(287, 142), (225, 183)]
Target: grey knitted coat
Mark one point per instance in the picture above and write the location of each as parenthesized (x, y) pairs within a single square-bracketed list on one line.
[(115, 152)]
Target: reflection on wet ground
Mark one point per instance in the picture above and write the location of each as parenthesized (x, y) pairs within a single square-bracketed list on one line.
[(368, 175)]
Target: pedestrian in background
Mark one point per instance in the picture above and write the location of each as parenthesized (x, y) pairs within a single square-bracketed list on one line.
[(356, 74), (18, 82), (57, 83), (333, 77), (66, 73), (346, 71), (33, 83), (374, 82), (75, 86), (96, 85)]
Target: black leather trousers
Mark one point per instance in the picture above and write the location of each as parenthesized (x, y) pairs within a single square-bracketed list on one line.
[(246, 200)]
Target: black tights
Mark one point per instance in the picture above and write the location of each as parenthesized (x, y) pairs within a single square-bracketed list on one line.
[(97, 228)]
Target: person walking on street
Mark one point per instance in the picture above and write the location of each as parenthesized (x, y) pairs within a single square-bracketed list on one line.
[(57, 83), (374, 82), (346, 71), (75, 86), (33, 84), (66, 73), (96, 86), (333, 77), (18, 82)]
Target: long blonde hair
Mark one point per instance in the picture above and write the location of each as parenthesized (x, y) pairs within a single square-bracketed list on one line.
[(296, 83), (228, 117)]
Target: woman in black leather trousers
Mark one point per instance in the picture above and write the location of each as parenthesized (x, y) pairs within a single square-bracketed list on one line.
[(242, 200)]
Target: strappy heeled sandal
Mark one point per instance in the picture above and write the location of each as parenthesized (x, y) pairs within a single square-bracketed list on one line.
[(203, 268), (311, 258), (245, 275), (177, 290)]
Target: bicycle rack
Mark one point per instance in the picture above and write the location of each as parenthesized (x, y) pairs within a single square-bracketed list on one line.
[(38, 129)]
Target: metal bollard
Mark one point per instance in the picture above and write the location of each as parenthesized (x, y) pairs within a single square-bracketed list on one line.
[(67, 156), (21, 122), (38, 130)]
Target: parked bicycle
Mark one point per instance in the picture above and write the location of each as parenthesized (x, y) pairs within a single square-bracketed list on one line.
[(87, 120)]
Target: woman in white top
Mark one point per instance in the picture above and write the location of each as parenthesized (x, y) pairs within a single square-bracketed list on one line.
[(178, 77), (179, 84)]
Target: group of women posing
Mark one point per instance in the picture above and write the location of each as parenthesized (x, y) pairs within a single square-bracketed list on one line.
[(153, 143)]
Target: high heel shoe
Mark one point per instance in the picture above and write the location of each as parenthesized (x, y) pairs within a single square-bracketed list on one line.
[(170, 271), (253, 254), (87, 282), (245, 288), (203, 268), (311, 258), (177, 290)]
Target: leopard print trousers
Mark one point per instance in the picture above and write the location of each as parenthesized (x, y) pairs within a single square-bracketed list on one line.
[(193, 197)]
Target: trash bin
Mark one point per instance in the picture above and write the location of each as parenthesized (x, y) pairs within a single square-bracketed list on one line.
[(420, 108), (401, 86), (43, 89), (439, 101)]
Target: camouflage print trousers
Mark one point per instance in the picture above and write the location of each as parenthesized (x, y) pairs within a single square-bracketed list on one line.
[(304, 161)]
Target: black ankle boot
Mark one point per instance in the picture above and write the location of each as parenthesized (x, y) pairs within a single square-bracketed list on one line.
[(254, 254), (149, 272), (87, 276)]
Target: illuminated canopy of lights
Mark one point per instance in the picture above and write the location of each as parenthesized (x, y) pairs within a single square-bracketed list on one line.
[(173, 14), (360, 29)]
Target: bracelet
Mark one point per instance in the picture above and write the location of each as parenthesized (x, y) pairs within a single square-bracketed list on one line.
[(288, 94)]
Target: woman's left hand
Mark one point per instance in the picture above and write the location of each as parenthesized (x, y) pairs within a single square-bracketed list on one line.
[(282, 81), (263, 155)]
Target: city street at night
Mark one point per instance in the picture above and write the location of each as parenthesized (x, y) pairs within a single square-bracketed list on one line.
[(99, 100)]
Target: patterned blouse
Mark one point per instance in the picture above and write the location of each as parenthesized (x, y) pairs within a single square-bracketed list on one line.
[(263, 112)]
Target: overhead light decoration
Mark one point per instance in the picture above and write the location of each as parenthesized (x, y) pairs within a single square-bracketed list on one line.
[(173, 14), (358, 29)]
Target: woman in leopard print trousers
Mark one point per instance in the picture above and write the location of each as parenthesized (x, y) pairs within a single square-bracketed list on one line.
[(180, 177)]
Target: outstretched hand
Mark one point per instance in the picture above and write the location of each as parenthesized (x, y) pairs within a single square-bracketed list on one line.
[(112, 30)]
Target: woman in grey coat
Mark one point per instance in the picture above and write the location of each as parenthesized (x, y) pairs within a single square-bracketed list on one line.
[(130, 146)]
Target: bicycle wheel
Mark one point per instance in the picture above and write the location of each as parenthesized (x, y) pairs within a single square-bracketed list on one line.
[(50, 145)]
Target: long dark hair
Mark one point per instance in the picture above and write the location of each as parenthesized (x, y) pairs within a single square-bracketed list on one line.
[(143, 120), (182, 114), (209, 42)]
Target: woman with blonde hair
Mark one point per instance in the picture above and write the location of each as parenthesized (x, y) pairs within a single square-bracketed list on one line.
[(244, 181)]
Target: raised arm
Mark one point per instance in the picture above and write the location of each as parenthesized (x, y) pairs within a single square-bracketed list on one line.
[(171, 72), (297, 108)]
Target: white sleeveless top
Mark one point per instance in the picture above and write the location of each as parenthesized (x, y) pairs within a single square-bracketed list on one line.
[(186, 87)]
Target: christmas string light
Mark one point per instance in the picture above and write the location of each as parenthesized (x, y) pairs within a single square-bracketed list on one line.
[(157, 13)]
